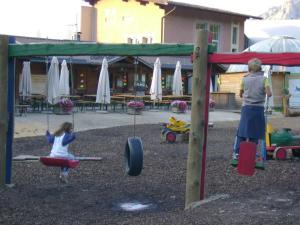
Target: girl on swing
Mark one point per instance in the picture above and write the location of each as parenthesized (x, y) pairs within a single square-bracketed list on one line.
[(60, 141)]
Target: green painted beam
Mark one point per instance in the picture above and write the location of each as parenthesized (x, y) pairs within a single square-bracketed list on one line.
[(75, 48)]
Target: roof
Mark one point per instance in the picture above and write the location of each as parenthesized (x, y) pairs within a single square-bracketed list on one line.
[(167, 62), (160, 2), (28, 40), (257, 30), (195, 6), (188, 5)]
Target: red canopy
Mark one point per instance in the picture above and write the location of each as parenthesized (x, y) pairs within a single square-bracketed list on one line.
[(283, 59)]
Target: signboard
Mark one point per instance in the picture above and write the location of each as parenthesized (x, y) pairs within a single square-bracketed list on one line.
[(294, 89)]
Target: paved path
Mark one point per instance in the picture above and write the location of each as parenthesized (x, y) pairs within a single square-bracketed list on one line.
[(36, 124)]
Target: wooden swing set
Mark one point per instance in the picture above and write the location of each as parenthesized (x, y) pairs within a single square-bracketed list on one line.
[(204, 58)]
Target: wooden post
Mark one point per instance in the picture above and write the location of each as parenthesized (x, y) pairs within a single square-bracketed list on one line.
[(11, 113), (3, 105), (196, 140)]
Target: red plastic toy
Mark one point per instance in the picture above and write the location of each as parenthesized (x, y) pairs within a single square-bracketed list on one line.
[(246, 165)]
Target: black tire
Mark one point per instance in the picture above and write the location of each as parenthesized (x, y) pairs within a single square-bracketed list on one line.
[(134, 156)]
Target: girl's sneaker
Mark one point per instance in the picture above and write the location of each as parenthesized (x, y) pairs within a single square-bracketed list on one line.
[(63, 178)]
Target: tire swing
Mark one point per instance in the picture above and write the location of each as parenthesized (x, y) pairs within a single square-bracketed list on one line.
[(53, 161), (133, 155)]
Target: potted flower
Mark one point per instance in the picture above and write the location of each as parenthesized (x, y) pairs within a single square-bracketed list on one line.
[(135, 107), (64, 106), (212, 105), (179, 106)]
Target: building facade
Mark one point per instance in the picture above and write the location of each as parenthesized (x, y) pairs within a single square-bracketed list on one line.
[(157, 21)]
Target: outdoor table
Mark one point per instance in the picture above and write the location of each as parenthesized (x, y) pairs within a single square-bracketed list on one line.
[(131, 97)]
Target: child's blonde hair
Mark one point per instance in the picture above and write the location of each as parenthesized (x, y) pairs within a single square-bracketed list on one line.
[(65, 127), (254, 65)]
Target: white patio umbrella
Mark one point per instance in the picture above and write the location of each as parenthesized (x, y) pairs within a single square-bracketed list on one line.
[(103, 90), (155, 89), (53, 82), (64, 87), (267, 74), (25, 80), (177, 81)]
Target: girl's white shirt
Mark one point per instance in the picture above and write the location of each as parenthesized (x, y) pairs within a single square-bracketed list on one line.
[(58, 150)]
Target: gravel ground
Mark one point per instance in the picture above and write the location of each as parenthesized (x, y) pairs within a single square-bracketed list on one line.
[(96, 189)]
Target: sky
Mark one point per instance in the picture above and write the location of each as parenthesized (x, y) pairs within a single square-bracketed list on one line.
[(60, 19)]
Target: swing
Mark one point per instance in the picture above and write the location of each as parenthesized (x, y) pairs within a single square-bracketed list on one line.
[(133, 155), (59, 162), (55, 161)]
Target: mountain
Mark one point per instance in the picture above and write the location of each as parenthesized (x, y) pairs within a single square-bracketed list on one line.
[(290, 9)]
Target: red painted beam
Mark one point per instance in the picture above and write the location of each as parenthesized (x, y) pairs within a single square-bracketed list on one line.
[(283, 59)]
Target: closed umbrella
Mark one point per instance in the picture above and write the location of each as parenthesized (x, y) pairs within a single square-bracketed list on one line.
[(103, 90), (64, 87), (177, 81), (155, 89), (267, 74), (53, 82), (25, 81)]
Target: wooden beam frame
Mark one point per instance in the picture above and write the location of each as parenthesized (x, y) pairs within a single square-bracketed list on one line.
[(283, 59), (3, 106), (73, 49)]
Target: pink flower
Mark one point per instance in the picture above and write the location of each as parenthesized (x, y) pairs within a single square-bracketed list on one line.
[(181, 105), (66, 104), (136, 104), (212, 103)]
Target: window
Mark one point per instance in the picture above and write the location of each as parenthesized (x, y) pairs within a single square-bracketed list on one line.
[(214, 29), (140, 82), (144, 40), (169, 82), (129, 40), (202, 26), (234, 37)]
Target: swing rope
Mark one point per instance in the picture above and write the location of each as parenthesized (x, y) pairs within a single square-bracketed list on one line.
[(47, 103), (71, 72), (135, 98)]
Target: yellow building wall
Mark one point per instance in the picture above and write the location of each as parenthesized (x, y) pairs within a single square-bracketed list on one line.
[(231, 83), (118, 20)]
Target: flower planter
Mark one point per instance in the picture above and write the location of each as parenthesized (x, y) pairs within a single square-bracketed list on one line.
[(64, 107), (135, 107), (178, 106), (58, 110), (134, 111), (175, 109), (212, 105)]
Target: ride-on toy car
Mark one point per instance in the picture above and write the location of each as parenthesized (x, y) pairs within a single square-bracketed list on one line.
[(175, 130), (279, 143)]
